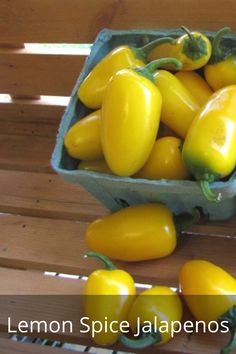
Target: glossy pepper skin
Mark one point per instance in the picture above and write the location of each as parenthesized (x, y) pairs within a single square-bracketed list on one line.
[(130, 118), (210, 293), (83, 139), (210, 145), (153, 306), (95, 165), (108, 293), (193, 49), (92, 89), (138, 232), (221, 69), (196, 84), (178, 105), (165, 161)]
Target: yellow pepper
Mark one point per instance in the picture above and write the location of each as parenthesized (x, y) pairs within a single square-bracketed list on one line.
[(92, 89), (138, 232), (221, 70), (178, 105), (210, 145), (196, 85), (130, 117), (83, 139), (155, 314), (95, 165), (108, 295), (165, 161), (210, 293), (193, 49)]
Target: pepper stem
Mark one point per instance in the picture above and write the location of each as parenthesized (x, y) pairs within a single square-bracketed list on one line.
[(183, 222), (146, 49), (155, 64), (232, 344), (107, 262), (193, 41), (145, 340), (217, 53), (210, 196)]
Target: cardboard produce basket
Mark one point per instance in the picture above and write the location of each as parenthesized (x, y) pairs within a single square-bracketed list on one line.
[(117, 192)]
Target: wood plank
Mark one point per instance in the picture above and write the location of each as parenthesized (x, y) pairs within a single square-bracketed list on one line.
[(47, 195), (25, 73), (8, 346), (73, 21), (31, 108), (62, 308), (57, 245)]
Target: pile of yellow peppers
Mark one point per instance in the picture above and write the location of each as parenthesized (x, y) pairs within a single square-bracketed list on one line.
[(135, 92), (187, 84)]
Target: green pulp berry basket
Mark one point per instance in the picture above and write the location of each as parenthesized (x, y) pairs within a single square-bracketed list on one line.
[(117, 192)]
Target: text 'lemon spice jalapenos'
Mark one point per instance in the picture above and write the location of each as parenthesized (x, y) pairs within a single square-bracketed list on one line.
[(221, 69), (210, 293), (138, 232), (153, 317), (108, 294), (193, 49), (210, 145), (91, 91), (130, 117)]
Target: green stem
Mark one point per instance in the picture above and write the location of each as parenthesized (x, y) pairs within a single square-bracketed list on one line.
[(144, 341), (193, 41), (232, 343), (155, 64), (217, 53), (107, 262), (183, 222), (146, 49), (210, 196)]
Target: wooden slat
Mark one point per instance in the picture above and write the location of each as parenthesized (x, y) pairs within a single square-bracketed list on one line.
[(22, 109), (45, 195), (8, 346), (61, 308), (79, 21), (25, 73), (59, 246)]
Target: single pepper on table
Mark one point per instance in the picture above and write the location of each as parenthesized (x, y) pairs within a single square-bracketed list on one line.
[(108, 293), (92, 89), (154, 315), (210, 293), (210, 145), (138, 232), (221, 69)]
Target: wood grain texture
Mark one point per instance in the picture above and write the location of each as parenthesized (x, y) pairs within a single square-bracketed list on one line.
[(30, 109), (46, 195), (25, 73), (59, 245), (61, 308), (73, 21), (8, 346)]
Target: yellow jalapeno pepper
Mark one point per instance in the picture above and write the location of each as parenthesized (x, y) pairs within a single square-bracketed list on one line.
[(92, 89), (209, 147), (83, 139), (210, 293), (130, 117), (108, 295), (193, 49), (179, 107), (165, 161), (138, 232), (221, 69), (196, 85), (95, 165), (154, 315)]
